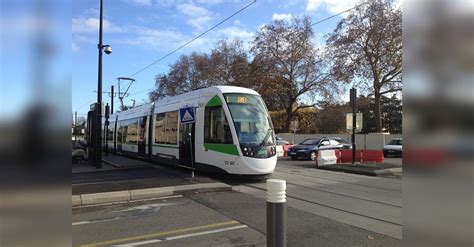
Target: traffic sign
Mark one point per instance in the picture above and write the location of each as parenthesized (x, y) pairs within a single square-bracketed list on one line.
[(358, 121), (187, 115)]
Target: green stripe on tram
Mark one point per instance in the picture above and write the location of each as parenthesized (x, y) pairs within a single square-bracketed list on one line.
[(215, 101), (223, 148)]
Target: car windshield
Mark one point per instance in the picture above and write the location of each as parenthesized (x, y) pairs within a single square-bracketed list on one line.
[(251, 119), (395, 142), (341, 140), (310, 142)]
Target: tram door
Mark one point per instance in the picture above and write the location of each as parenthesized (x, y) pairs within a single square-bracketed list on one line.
[(141, 137), (186, 145), (119, 137)]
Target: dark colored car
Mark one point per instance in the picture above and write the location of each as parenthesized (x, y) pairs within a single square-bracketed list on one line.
[(309, 148)]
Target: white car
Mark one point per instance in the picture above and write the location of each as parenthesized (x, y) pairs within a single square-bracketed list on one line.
[(393, 148)]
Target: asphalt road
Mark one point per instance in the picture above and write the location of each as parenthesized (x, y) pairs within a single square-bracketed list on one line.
[(395, 161), (370, 203), (324, 209)]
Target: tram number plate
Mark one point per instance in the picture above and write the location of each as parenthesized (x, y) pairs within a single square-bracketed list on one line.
[(230, 163), (292, 153)]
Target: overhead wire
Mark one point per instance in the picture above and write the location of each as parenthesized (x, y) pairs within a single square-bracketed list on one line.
[(312, 24), (184, 45)]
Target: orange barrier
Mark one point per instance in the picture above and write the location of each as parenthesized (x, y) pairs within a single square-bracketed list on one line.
[(285, 149), (346, 155), (372, 156)]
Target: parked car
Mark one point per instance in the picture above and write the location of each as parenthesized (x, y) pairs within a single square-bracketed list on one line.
[(393, 148), (282, 142), (309, 148)]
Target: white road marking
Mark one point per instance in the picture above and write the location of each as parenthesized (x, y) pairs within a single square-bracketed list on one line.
[(181, 236), (139, 243), (204, 233), (80, 223)]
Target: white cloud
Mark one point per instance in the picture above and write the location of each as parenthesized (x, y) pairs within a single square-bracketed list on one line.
[(281, 17), (153, 38), (235, 32), (87, 25), (210, 1), (333, 6), (192, 10), (74, 47), (198, 17), (140, 2)]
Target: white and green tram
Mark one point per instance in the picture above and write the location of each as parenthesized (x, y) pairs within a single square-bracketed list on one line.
[(230, 131)]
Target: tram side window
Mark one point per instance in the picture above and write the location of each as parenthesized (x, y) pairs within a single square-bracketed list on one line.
[(124, 131), (160, 128), (166, 128), (141, 129), (119, 132), (132, 131), (216, 126), (110, 135), (172, 127)]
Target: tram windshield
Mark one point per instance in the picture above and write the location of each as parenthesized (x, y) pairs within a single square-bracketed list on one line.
[(251, 119)]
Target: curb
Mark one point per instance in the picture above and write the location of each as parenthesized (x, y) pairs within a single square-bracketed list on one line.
[(131, 195), (120, 166), (391, 171), (375, 173)]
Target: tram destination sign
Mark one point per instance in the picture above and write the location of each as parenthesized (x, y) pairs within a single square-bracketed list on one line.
[(187, 115)]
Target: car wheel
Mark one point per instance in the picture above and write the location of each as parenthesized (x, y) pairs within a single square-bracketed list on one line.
[(312, 155)]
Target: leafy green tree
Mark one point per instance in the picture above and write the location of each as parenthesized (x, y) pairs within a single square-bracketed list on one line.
[(366, 48), (289, 65)]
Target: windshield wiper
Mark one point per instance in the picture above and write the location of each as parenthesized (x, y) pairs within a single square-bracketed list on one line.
[(266, 137)]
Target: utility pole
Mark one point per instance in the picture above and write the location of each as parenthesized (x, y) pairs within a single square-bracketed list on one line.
[(75, 127), (353, 98), (106, 132), (98, 142), (112, 99), (98, 108)]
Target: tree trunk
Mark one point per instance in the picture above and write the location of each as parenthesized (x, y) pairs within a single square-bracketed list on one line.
[(377, 111), (289, 116)]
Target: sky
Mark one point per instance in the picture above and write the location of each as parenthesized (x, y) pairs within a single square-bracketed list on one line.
[(142, 31)]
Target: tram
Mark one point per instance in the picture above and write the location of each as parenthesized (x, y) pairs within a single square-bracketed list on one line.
[(221, 129)]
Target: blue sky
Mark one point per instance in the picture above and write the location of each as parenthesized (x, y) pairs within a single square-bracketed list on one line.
[(141, 31)]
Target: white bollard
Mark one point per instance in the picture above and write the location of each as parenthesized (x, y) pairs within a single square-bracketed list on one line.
[(276, 213)]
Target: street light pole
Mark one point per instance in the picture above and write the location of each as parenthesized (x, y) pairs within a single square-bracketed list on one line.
[(98, 149), (353, 98)]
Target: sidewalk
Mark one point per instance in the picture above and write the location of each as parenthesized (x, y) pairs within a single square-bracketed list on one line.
[(125, 179)]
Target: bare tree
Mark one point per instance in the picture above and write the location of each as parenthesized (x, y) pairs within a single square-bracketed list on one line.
[(288, 64), (229, 64), (366, 48), (186, 74)]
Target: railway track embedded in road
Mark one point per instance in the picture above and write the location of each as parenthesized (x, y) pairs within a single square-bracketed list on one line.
[(331, 207)]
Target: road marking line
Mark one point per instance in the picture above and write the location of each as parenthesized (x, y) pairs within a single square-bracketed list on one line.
[(162, 234), (181, 236), (204, 233), (139, 243), (81, 223), (131, 201)]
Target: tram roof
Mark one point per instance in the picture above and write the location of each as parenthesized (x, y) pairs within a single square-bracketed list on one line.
[(146, 108)]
